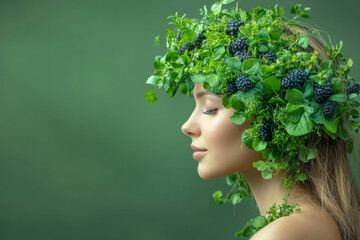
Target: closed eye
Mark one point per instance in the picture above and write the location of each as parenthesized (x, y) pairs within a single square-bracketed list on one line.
[(210, 112)]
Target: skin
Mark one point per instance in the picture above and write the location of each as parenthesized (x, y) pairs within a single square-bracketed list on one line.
[(226, 154)]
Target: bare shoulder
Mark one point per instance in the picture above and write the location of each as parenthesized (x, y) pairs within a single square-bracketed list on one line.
[(310, 225)]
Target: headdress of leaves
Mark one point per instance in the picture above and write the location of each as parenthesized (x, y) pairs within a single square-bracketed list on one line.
[(264, 64)]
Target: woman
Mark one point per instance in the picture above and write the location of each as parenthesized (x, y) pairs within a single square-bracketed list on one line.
[(328, 197), (220, 152)]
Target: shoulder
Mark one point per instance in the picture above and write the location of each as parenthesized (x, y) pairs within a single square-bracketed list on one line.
[(300, 226)]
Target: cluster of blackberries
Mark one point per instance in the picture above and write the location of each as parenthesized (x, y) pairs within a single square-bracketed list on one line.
[(322, 92), (241, 82), (294, 78), (270, 56), (265, 129), (328, 108), (239, 45), (190, 46), (353, 89), (232, 27), (187, 46), (243, 56), (199, 40)]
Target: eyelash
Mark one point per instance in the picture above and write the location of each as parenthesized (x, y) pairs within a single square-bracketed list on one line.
[(210, 112)]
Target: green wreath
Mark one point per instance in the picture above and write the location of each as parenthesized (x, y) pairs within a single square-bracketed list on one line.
[(264, 64)]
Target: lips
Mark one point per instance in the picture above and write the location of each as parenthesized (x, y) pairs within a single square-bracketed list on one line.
[(199, 152), (195, 148)]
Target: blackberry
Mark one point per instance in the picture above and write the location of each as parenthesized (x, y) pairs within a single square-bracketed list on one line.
[(295, 78), (186, 46), (265, 129), (354, 89), (231, 88), (239, 45), (322, 92), (270, 56), (243, 82), (178, 35), (328, 108), (225, 61), (232, 27), (218, 20), (199, 40), (243, 56)]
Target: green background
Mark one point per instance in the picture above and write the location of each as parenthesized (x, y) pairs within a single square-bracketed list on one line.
[(83, 155)]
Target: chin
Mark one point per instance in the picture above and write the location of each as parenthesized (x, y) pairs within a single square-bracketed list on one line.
[(206, 173)]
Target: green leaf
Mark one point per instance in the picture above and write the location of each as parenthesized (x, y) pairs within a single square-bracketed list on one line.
[(187, 35), (262, 48), (220, 50), (263, 35), (312, 152), (261, 146), (301, 177), (302, 155), (238, 118), (294, 113), (307, 89), (295, 97), (259, 222), (266, 70), (251, 66), (213, 80), (355, 125), (153, 80), (226, 102), (234, 63), (159, 62), (198, 78), (266, 174), (336, 84), (304, 126), (157, 40), (235, 199), (216, 8), (259, 165), (328, 67), (151, 96), (217, 197), (272, 85), (228, 1), (331, 124), (349, 63), (243, 14), (247, 139), (275, 34), (340, 97), (303, 40)]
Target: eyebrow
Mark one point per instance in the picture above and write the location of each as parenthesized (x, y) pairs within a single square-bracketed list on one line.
[(203, 93)]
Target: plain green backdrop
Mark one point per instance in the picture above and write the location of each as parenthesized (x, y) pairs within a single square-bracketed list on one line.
[(83, 155)]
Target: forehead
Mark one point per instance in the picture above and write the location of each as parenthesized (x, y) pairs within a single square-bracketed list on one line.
[(200, 91)]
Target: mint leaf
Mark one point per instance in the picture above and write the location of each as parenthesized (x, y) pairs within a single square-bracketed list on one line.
[(151, 96), (157, 40), (272, 85), (216, 8), (303, 40)]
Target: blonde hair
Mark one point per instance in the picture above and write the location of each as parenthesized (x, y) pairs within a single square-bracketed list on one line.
[(330, 181)]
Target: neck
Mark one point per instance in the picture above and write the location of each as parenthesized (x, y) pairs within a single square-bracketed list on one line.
[(269, 191)]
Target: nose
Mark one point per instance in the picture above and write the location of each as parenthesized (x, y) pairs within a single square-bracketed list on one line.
[(190, 127)]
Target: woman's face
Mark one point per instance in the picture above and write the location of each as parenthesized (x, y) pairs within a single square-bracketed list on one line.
[(225, 153)]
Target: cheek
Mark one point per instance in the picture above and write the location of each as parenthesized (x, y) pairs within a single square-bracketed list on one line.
[(226, 141)]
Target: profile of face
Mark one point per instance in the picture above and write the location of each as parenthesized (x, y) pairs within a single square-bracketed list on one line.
[(211, 129)]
